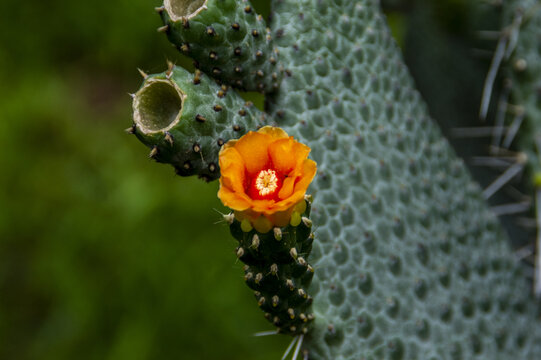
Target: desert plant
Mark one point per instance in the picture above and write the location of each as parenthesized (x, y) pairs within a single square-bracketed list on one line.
[(409, 261)]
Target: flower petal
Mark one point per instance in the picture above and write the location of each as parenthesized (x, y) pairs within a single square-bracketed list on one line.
[(229, 144), (252, 147), (263, 206), (287, 154), (287, 188), (309, 169), (274, 132), (232, 170), (241, 160), (232, 199)]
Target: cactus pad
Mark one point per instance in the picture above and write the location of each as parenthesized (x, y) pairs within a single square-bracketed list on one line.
[(186, 118), (408, 261), (227, 39)]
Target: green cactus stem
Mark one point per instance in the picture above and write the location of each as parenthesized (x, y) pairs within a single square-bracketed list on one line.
[(277, 269), (227, 39), (185, 118)]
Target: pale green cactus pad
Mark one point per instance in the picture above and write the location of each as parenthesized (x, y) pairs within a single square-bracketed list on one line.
[(409, 262)]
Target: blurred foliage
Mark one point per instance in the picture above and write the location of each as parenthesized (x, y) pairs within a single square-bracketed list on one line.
[(105, 254)]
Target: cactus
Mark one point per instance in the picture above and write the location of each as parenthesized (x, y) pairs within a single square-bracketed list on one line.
[(186, 118), (409, 262), (229, 41), (522, 20)]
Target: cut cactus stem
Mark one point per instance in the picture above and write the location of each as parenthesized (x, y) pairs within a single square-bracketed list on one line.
[(174, 114), (226, 39)]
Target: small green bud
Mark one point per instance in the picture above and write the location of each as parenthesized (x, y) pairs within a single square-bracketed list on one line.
[(295, 219), (300, 207), (246, 226)]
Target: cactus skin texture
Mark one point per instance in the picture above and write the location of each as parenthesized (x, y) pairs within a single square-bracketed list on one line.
[(523, 22), (186, 118), (227, 39), (409, 262), (278, 272)]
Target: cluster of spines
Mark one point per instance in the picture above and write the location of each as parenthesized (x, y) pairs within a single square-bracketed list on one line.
[(228, 40), (210, 116), (277, 269)]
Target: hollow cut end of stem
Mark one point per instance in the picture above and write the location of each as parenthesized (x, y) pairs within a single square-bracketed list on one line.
[(157, 106), (184, 9)]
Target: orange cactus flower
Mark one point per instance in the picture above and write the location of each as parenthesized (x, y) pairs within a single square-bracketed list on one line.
[(264, 177)]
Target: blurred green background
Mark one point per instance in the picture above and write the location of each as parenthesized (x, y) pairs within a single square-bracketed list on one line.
[(105, 254)]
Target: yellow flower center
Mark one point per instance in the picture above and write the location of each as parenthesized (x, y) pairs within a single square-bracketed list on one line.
[(266, 182)]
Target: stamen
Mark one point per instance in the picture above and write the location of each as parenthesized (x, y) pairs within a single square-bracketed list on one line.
[(265, 185), (266, 182)]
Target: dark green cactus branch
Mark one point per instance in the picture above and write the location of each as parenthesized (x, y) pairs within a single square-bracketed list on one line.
[(227, 40), (185, 118), (278, 271)]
